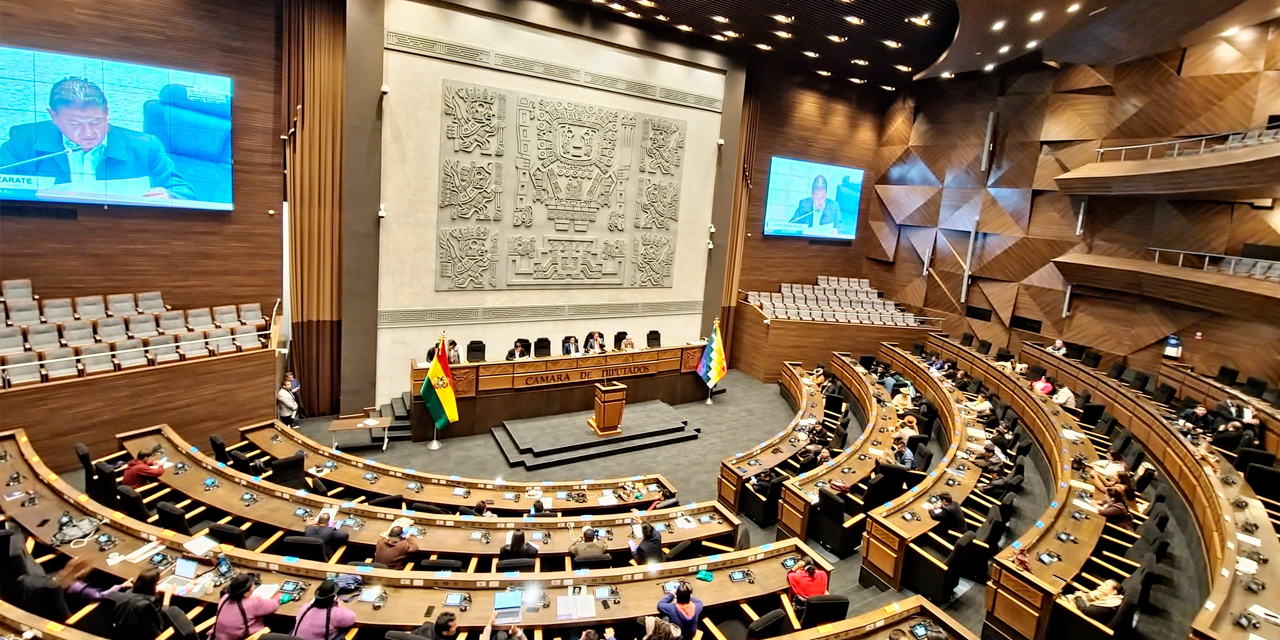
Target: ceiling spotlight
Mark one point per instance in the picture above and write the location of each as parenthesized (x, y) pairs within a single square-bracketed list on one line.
[(763, 47), (661, 17), (860, 62), (720, 19), (920, 21), (1005, 49), (811, 54), (1230, 32), (902, 67), (782, 34), (1033, 44), (599, 1), (1073, 8), (684, 27), (645, 3), (617, 7), (887, 87), (854, 20), (947, 75), (631, 14), (835, 38), (892, 44), (997, 25), (783, 19), (857, 80), (824, 73), (732, 34), (990, 67), (718, 37), (1037, 16)]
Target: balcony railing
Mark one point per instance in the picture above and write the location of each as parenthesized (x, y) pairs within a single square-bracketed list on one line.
[(1218, 263), (1215, 143)]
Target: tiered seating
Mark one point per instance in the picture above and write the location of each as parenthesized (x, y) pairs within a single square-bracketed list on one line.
[(833, 299), (52, 339)]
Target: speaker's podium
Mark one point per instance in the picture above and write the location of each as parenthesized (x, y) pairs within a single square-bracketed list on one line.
[(611, 398)]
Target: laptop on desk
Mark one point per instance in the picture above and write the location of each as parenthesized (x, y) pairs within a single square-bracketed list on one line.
[(184, 571), (506, 604)]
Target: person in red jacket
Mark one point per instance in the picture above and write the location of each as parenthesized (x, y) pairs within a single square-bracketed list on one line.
[(807, 580), (140, 468)]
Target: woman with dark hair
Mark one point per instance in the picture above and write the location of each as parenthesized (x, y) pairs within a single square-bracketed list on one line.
[(807, 579), (324, 618), (518, 548), (239, 614), (682, 609), (649, 547), (72, 580), (141, 614), (1116, 509)]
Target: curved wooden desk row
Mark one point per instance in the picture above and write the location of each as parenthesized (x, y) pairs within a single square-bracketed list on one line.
[(1019, 603), (799, 494), (879, 623), (1189, 383), (409, 592), (892, 527), (446, 534), (280, 442), (16, 622), (809, 403), (1211, 494)]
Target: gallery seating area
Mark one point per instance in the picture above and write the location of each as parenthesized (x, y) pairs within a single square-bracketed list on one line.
[(832, 299)]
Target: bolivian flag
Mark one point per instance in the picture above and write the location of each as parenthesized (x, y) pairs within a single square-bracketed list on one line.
[(713, 365), (437, 389)]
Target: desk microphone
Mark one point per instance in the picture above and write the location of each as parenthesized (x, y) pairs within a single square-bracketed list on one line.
[(38, 158)]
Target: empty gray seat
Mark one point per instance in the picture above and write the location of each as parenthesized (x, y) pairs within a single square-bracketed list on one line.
[(245, 338), (200, 320), (225, 316), (151, 302), (112, 330), (143, 326), (23, 312), (162, 349), (42, 337), (191, 345), (129, 354), (77, 333), (16, 290), (173, 322), (58, 310), (121, 304), (90, 307), (96, 358), (251, 313), (59, 364), (11, 341), (220, 341), (21, 368)]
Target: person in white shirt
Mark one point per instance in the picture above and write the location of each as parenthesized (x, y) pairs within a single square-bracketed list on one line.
[(980, 406), (1064, 397), (286, 404), (1058, 349)]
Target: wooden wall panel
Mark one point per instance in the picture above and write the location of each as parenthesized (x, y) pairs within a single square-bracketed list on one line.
[(198, 398), (195, 258)]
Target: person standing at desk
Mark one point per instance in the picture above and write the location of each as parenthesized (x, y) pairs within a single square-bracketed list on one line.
[(286, 404), (570, 347)]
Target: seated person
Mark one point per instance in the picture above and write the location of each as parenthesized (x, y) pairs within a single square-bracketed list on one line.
[(936, 363), (240, 614), (682, 609), (539, 510), (648, 548), (1058, 349), (482, 509), (811, 459), (949, 514), (517, 548), (1003, 437), (988, 458), (902, 401), (588, 545), (594, 343), (1000, 483), (139, 469), (627, 343), (570, 347), (79, 592), (1042, 386), (1197, 420), (394, 548), (1104, 471), (762, 482), (1228, 436), (1115, 508), (517, 352), (325, 617), (980, 406), (445, 627), (902, 456), (144, 612), (323, 529), (1101, 603), (1064, 397), (807, 579), (907, 428)]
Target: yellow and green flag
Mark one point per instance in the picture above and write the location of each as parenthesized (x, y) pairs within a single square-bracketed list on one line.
[(437, 389)]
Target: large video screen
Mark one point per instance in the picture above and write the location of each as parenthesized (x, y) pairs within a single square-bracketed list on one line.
[(812, 200), (84, 130)]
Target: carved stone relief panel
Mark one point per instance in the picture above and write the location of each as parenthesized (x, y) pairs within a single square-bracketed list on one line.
[(580, 172)]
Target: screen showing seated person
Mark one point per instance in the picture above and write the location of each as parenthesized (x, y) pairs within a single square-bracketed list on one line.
[(84, 130), (812, 200)]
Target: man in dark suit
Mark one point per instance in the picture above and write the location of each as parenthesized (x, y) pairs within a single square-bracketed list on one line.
[(517, 352), (333, 538), (78, 144), (817, 210), (949, 514)]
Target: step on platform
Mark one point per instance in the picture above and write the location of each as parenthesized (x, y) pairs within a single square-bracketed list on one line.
[(538, 443)]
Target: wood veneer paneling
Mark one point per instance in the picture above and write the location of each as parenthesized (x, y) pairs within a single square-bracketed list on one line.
[(197, 398), (196, 258)]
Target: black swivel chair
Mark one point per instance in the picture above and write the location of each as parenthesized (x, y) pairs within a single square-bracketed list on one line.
[(1140, 381), (984, 347), (866, 362), (966, 339), (542, 348), (440, 564), (742, 540), (131, 504), (1264, 479), (593, 561), (475, 351), (820, 610), (525, 344), (304, 547), (766, 626), (427, 508), (833, 528), (1075, 351), (914, 442), (667, 503), (762, 509), (234, 536), (86, 462), (653, 339), (681, 549), (44, 597), (516, 564), (937, 581), (290, 471), (986, 542), (1255, 386), (390, 502), (1116, 371), (917, 349), (1003, 355), (219, 447), (1091, 359), (1227, 375), (923, 458), (391, 635), (174, 518), (1246, 456), (1164, 394), (618, 338), (103, 486)]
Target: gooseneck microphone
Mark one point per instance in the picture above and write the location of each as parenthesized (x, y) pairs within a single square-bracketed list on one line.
[(38, 158)]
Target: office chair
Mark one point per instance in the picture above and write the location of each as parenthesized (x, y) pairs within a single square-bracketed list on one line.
[(680, 549), (86, 462), (44, 597), (866, 362), (1226, 375), (516, 564), (371, 565), (1034, 372), (914, 442), (761, 509), (234, 536), (390, 502), (391, 635), (742, 540), (1075, 351), (426, 508), (131, 503), (1164, 394), (1264, 479), (1117, 370), (304, 547), (475, 351), (966, 339), (766, 626), (1091, 359), (524, 342), (653, 339), (820, 610), (103, 487), (1246, 456), (984, 347), (219, 447), (1003, 355), (440, 564), (618, 338), (542, 348), (290, 471), (938, 583), (667, 504), (917, 349), (174, 518), (593, 561), (923, 458), (1255, 386), (831, 527)]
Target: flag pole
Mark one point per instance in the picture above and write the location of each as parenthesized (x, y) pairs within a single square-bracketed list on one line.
[(435, 442), (435, 429), (709, 392)]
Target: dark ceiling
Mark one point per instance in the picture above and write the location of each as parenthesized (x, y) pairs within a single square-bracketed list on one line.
[(811, 25)]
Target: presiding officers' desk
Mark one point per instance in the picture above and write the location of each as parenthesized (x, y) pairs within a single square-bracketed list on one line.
[(508, 498), (1019, 603), (408, 592), (880, 623), (887, 544), (798, 387), (1189, 383), (1210, 487), (442, 534), (490, 393), (800, 494)]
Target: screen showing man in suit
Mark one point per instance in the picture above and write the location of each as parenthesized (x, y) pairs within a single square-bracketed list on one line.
[(812, 200), (83, 130)]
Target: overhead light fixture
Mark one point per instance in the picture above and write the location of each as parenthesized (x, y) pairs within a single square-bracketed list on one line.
[(860, 62), (1037, 16), (902, 67), (997, 25), (661, 17), (617, 7), (1073, 8), (1230, 32), (1005, 48), (920, 21), (684, 27), (720, 19), (892, 44), (857, 80), (837, 39), (718, 37), (763, 47), (824, 73), (782, 34), (947, 75), (854, 20), (887, 87), (732, 34), (811, 54), (1033, 44), (645, 3), (783, 19), (599, 1), (631, 14), (990, 67)]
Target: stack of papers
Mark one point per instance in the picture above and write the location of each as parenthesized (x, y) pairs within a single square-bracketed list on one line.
[(266, 590), (370, 423), (686, 522), (200, 546), (607, 500), (1084, 505), (977, 433), (575, 607)]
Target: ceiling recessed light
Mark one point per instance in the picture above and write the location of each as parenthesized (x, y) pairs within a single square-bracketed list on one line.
[(824, 73), (947, 75), (763, 47), (997, 25), (631, 14), (1037, 16), (1005, 48), (732, 34), (811, 54), (661, 17), (854, 20), (782, 34), (1073, 8), (920, 21), (892, 44), (1033, 44), (857, 80), (1230, 32), (887, 87), (835, 38), (718, 37), (617, 7), (860, 62), (720, 19), (684, 27), (989, 67), (645, 3), (783, 19), (902, 67), (599, 1)]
